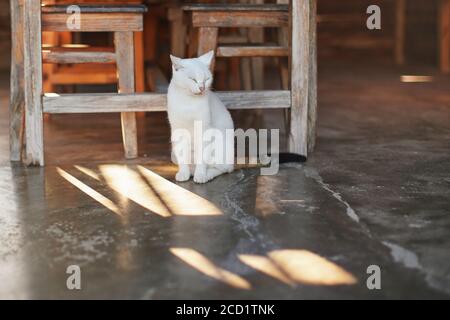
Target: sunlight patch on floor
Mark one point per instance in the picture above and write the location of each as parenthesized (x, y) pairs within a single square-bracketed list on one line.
[(88, 172), (299, 267), (179, 200), (202, 264), (130, 184), (89, 191)]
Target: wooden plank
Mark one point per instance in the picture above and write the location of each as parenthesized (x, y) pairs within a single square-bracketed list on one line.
[(300, 60), (444, 36), (33, 83), (240, 19), (235, 7), (94, 22), (97, 8), (207, 41), (312, 85), (252, 51), (400, 25), (151, 102), (76, 57), (124, 42), (17, 98)]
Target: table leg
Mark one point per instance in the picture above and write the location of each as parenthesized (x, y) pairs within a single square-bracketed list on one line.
[(17, 98), (300, 74), (33, 83)]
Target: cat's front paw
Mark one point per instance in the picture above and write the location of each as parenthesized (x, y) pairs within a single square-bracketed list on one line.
[(201, 178), (182, 176)]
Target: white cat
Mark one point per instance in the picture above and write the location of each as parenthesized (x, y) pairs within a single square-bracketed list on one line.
[(190, 101)]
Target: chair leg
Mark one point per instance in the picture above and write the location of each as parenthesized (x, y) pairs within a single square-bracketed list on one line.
[(283, 40), (300, 74), (234, 77), (139, 61), (312, 87), (256, 36), (444, 37), (178, 31), (124, 43), (207, 41), (17, 100), (33, 84), (399, 47), (246, 73)]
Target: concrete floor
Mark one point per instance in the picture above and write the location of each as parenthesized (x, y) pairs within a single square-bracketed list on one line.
[(375, 192)]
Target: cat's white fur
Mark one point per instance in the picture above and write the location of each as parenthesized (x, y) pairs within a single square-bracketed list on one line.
[(190, 99)]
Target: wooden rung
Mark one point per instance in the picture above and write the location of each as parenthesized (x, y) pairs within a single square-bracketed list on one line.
[(148, 102), (252, 51), (63, 55)]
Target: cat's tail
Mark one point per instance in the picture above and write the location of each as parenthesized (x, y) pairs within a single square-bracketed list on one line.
[(287, 157)]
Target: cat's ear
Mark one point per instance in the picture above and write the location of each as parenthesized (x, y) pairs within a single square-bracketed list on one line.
[(207, 58), (176, 62)]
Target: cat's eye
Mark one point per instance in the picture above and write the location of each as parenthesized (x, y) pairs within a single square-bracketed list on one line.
[(193, 80)]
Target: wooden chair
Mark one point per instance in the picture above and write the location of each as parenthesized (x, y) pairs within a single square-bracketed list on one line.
[(122, 20), (302, 53), (86, 74), (26, 77)]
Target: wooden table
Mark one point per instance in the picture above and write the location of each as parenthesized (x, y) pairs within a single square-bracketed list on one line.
[(28, 103)]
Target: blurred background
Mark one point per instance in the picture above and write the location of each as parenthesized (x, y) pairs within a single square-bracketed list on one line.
[(342, 33)]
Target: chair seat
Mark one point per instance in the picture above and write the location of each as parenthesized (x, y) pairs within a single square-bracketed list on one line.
[(236, 7), (104, 8)]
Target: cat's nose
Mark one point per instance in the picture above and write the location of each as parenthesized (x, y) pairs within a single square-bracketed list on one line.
[(201, 88)]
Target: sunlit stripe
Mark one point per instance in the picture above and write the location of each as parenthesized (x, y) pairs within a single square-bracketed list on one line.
[(89, 191), (205, 266), (89, 172), (179, 200), (131, 185), (306, 267), (265, 265)]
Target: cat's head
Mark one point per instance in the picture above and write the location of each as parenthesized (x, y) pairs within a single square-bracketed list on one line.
[(193, 75)]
